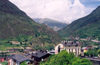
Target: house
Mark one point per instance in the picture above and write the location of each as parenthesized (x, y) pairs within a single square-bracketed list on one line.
[(69, 46), (85, 49), (17, 59), (37, 56), (28, 50), (95, 41), (40, 55), (15, 42), (31, 58)]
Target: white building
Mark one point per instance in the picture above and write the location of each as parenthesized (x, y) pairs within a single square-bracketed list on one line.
[(69, 46)]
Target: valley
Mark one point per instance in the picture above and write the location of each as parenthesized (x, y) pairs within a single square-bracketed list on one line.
[(43, 41)]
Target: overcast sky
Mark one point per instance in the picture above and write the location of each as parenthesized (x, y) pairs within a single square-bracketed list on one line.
[(61, 10)]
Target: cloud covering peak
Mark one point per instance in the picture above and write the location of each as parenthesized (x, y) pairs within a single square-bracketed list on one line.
[(62, 10)]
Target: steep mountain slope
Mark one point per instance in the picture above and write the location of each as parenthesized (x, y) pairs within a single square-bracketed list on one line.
[(88, 26), (55, 25), (15, 24), (8, 7)]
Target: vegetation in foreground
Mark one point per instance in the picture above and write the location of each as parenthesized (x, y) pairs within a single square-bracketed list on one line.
[(64, 58), (24, 63)]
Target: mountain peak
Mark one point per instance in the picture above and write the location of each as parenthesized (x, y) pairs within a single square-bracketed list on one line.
[(55, 25)]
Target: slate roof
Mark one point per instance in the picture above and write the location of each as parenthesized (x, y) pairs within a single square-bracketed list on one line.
[(70, 43), (19, 58), (39, 54)]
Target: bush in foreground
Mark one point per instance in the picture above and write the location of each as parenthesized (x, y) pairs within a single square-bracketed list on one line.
[(64, 58)]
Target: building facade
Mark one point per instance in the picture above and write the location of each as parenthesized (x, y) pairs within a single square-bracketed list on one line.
[(69, 46)]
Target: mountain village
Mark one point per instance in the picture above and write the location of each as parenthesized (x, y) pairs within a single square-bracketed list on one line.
[(15, 56), (43, 41)]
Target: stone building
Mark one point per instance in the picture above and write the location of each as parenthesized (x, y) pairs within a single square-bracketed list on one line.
[(69, 46)]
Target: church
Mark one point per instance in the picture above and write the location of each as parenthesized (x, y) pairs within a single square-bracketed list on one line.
[(69, 46)]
